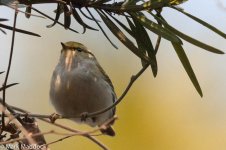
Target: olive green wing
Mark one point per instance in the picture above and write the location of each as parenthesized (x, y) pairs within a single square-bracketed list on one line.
[(108, 80)]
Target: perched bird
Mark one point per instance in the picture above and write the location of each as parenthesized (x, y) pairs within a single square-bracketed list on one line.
[(80, 85)]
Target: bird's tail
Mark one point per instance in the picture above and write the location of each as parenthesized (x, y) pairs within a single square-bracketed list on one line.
[(107, 128), (108, 131)]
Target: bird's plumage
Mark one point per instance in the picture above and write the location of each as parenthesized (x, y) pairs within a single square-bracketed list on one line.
[(79, 84)]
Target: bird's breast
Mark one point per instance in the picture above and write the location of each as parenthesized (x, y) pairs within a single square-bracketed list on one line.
[(80, 89)]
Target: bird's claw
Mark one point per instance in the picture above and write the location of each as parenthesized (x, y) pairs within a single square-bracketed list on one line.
[(53, 117), (84, 116)]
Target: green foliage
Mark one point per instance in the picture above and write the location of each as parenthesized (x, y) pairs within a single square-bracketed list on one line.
[(139, 23)]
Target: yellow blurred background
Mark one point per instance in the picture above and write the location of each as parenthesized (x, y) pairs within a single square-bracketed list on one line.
[(162, 113)]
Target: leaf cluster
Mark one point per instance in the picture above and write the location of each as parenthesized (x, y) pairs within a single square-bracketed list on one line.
[(139, 22)]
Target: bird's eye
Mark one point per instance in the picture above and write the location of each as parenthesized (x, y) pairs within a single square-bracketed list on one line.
[(79, 49)]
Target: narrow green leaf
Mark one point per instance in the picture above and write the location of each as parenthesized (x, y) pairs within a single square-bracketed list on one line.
[(67, 17), (188, 38), (132, 26), (86, 16), (196, 42), (144, 43), (58, 13), (36, 10), (187, 66), (80, 21), (214, 29), (19, 30), (122, 25), (105, 34), (157, 29), (137, 37), (120, 35)]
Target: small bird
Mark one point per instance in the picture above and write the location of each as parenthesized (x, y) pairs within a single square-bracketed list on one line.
[(80, 85)]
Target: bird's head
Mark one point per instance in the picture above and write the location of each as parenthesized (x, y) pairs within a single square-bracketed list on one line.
[(73, 46), (72, 52), (76, 48)]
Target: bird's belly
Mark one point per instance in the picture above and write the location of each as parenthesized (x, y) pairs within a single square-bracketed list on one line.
[(81, 92)]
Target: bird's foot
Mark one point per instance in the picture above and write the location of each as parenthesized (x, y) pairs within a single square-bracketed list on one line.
[(84, 116), (53, 117)]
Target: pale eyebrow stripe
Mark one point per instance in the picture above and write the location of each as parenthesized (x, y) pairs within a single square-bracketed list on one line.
[(74, 48)]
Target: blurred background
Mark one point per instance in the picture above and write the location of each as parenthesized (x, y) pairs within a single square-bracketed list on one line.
[(162, 113)]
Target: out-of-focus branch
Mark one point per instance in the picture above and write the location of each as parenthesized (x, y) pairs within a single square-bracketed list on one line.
[(58, 133), (18, 125), (13, 109), (25, 138)]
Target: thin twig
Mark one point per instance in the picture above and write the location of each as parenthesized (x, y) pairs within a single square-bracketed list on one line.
[(11, 111), (9, 67), (85, 133), (18, 124), (7, 86), (59, 140), (25, 138), (62, 126), (73, 130), (35, 115), (132, 80)]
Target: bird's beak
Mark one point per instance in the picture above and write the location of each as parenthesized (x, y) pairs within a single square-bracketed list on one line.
[(63, 45)]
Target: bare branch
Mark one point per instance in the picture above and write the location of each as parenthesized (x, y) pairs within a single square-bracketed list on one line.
[(12, 108), (25, 138), (18, 125), (8, 68)]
